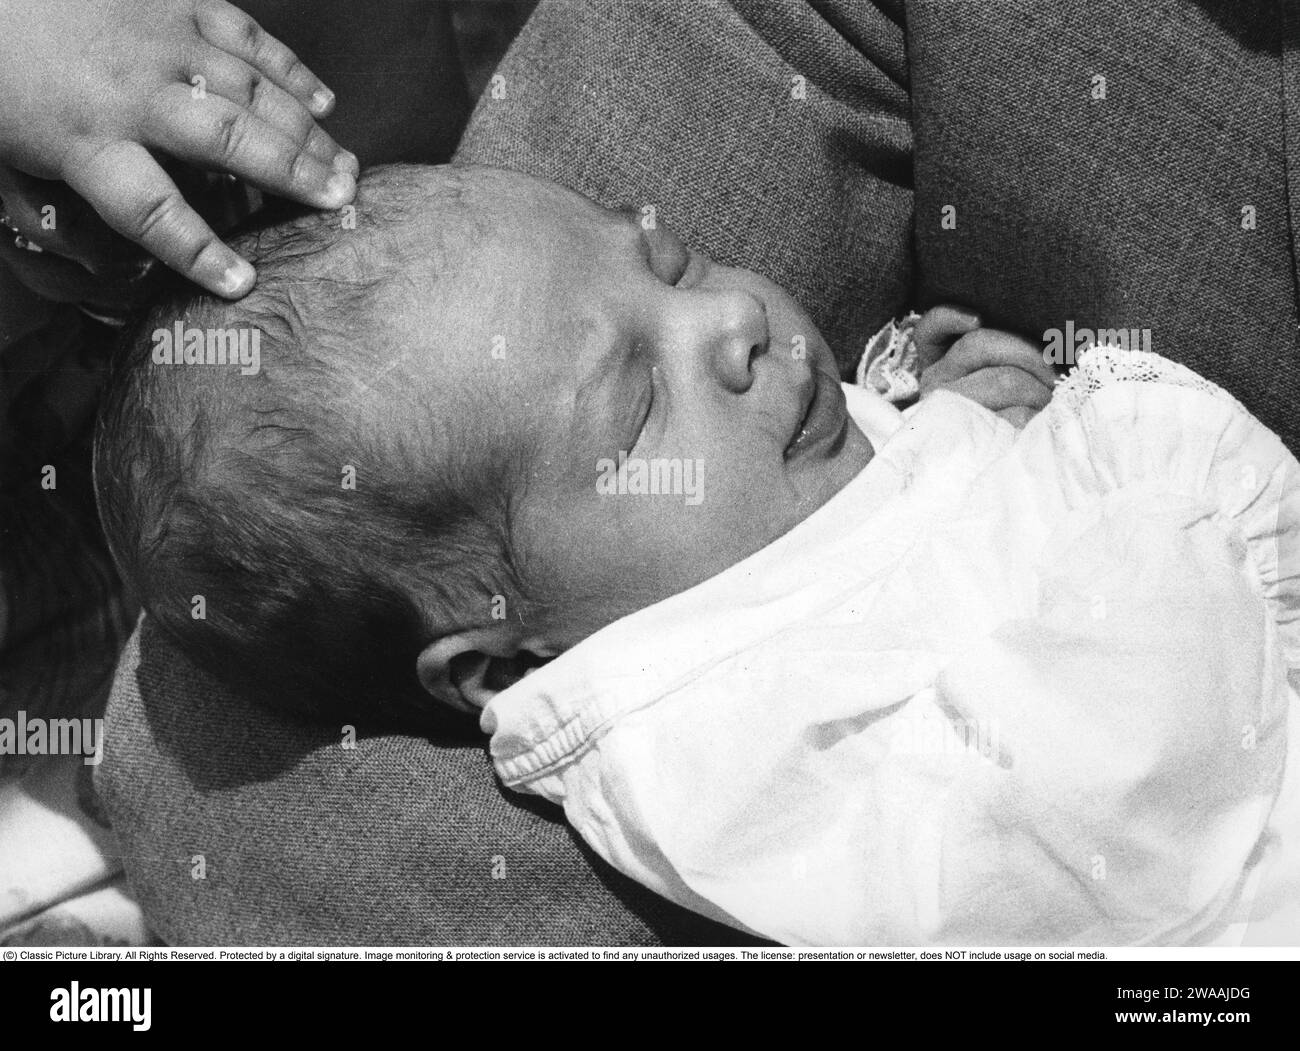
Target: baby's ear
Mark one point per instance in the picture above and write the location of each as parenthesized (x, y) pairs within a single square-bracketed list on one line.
[(466, 669)]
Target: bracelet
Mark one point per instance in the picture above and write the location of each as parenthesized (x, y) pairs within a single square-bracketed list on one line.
[(20, 240)]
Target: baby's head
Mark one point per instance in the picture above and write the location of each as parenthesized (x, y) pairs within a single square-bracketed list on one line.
[(487, 418)]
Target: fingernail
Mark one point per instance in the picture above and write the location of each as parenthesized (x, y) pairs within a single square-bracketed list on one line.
[(346, 161), (339, 189), (322, 100), (237, 278)]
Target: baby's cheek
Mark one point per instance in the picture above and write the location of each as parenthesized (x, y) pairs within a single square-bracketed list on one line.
[(738, 513)]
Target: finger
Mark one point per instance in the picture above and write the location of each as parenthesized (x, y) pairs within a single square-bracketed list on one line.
[(55, 219), (1002, 387), (227, 77), (216, 133), (936, 330), (239, 34), (125, 185), (987, 346)]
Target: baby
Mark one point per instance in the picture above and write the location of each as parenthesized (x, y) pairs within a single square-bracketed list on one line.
[(824, 671)]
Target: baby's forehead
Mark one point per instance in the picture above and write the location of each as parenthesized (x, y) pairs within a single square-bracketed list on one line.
[(493, 243), (480, 267), (508, 202)]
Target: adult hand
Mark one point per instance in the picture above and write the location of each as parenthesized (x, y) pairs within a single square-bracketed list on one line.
[(93, 89)]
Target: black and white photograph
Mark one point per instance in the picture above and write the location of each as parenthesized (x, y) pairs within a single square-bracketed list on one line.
[(650, 480)]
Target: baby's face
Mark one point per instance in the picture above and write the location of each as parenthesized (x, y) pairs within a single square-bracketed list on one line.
[(599, 358)]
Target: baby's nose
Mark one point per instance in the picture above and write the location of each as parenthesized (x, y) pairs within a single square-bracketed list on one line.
[(732, 331)]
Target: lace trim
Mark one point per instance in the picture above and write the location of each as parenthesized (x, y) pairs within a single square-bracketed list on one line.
[(889, 364), (1103, 366)]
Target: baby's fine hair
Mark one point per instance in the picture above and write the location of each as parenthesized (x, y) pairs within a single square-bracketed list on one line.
[(259, 513)]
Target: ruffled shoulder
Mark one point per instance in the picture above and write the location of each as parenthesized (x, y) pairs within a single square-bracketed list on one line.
[(1126, 423)]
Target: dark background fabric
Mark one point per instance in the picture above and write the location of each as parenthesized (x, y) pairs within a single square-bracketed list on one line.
[(63, 618), (303, 841), (1123, 212), (1120, 212)]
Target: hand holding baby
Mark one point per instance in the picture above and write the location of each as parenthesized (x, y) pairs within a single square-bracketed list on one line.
[(94, 90), (1005, 373)]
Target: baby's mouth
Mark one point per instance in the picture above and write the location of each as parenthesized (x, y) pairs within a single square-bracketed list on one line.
[(801, 428), (824, 419)]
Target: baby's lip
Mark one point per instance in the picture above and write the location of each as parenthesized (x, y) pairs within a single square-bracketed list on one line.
[(822, 418), (807, 396)]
